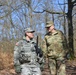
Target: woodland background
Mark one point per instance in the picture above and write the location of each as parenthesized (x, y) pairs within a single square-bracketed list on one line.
[(15, 15)]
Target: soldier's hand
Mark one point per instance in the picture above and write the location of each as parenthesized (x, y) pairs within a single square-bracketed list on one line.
[(18, 69)]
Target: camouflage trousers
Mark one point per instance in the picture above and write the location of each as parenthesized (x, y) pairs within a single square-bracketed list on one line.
[(30, 69), (57, 67)]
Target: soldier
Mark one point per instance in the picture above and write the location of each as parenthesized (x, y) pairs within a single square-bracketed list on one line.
[(25, 56), (55, 48)]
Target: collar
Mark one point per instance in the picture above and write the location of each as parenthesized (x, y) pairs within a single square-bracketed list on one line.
[(24, 38), (55, 33), (31, 40)]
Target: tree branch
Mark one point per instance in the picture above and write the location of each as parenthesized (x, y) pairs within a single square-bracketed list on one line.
[(51, 12), (39, 11), (8, 13)]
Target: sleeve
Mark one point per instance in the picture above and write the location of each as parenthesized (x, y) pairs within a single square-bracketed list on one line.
[(16, 55), (16, 59), (65, 45), (44, 48)]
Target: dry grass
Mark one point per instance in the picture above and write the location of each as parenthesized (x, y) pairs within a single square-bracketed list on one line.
[(6, 55), (6, 60)]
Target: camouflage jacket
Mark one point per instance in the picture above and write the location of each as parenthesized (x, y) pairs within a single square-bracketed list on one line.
[(55, 45), (24, 52)]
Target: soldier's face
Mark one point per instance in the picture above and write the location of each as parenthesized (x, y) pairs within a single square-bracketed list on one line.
[(30, 34), (49, 29)]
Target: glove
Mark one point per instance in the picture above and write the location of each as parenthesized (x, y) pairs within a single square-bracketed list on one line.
[(18, 69)]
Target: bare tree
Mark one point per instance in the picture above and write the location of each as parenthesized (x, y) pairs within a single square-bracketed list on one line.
[(15, 15), (71, 4)]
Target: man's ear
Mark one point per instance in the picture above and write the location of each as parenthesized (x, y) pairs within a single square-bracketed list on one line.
[(26, 33)]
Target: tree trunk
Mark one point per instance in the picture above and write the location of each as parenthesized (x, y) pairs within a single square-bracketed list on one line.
[(70, 26)]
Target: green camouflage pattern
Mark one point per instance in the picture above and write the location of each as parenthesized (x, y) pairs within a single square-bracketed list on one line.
[(55, 48), (57, 68), (54, 45), (49, 23)]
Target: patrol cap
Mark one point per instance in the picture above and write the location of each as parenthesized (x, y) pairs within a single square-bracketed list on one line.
[(49, 23), (28, 30)]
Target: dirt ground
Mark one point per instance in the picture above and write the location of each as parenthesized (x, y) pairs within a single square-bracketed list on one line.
[(70, 69)]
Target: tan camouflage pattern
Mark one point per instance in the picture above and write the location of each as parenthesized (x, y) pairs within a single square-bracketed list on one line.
[(55, 48), (54, 44), (49, 23)]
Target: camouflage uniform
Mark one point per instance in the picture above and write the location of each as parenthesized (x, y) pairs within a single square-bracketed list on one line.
[(55, 48), (25, 58)]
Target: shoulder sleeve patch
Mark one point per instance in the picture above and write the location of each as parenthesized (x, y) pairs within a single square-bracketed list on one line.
[(17, 44)]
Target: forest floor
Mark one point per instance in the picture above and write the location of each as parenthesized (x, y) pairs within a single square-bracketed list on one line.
[(70, 69)]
